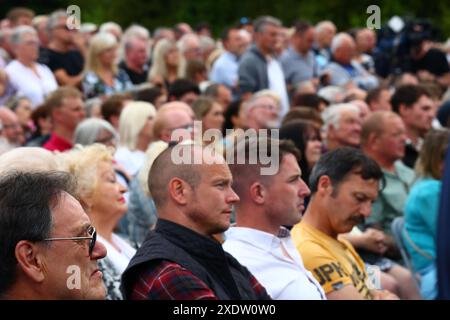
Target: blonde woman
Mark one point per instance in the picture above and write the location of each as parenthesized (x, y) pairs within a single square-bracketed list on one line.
[(166, 63), (103, 198), (135, 134), (102, 77)]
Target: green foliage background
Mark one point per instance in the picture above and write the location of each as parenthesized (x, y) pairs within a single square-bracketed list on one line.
[(220, 13)]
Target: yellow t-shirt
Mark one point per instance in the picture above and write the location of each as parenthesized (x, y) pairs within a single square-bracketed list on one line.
[(334, 263)]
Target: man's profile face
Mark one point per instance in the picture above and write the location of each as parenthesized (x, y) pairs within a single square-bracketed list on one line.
[(269, 38), (71, 113), (212, 200), (265, 113), (420, 115), (349, 131), (391, 141), (351, 202), (67, 261), (286, 193)]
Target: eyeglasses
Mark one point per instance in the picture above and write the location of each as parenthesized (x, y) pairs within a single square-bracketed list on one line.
[(189, 128), (270, 107), (92, 236)]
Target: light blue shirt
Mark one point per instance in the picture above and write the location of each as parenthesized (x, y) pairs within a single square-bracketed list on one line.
[(298, 68), (421, 213), (225, 70)]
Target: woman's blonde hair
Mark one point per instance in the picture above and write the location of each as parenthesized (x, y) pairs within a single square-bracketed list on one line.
[(132, 119), (202, 106), (432, 154), (83, 164), (159, 66), (98, 44)]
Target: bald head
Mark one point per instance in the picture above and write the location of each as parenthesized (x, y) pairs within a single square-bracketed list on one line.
[(165, 168), (28, 159), (375, 124), (171, 116)]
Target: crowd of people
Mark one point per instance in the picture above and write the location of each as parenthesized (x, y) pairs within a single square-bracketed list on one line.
[(94, 206)]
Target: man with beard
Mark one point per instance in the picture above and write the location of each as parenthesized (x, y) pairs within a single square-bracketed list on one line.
[(262, 110), (344, 183)]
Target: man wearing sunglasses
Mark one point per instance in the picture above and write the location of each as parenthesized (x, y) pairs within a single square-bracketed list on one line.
[(49, 248)]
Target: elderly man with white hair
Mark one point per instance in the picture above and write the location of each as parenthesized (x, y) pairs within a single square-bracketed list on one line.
[(262, 110), (32, 80), (342, 71), (342, 126)]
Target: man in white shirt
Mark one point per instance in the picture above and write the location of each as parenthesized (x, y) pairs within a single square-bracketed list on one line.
[(259, 240)]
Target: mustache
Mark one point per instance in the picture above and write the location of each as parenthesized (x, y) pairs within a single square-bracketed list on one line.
[(358, 219)]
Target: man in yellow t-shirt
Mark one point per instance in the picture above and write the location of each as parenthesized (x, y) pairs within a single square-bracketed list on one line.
[(344, 184)]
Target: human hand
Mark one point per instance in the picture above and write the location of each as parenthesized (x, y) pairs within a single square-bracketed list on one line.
[(383, 295), (374, 240)]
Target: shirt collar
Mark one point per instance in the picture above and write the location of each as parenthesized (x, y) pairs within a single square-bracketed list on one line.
[(258, 238)]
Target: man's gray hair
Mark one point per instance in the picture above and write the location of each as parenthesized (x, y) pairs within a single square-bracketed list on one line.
[(108, 26), (338, 40), (138, 31), (323, 24), (53, 20), (184, 40), (332, 115), (261, 23), (253, 101), (18, 33)]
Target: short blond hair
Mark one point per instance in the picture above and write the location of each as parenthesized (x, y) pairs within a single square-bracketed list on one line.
[(83, 164)]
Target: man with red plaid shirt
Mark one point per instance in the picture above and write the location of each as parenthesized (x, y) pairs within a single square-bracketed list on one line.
[(180, 259)]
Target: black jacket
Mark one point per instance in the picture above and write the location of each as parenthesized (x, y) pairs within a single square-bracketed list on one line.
[(202, 256)]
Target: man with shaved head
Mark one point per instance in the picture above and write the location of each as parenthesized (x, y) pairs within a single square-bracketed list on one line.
[(180, 258)]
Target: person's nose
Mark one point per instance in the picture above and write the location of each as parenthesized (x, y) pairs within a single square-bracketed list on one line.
[(303, 190), (99, 251), (366, 209), (122, 188), (232, 196)]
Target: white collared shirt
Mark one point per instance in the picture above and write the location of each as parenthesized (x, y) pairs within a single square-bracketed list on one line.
[(28, 84), (119, 259), (277, 83), (262, 254)]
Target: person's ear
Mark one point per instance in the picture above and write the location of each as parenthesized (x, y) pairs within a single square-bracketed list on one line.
[(331, 132), (31, 260), (179, 191), (403, 110), (258, 193), (324, 186), (372, 141)]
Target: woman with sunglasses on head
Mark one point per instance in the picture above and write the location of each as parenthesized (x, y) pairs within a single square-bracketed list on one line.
[(103, 198)]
